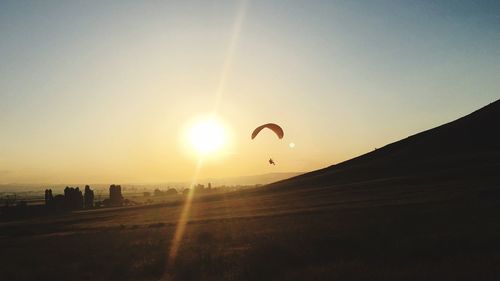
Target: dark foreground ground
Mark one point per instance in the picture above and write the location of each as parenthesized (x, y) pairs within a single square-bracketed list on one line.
[(399, 231)]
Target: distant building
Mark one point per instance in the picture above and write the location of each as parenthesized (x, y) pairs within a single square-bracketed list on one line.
[(199, 188), (115, 195), (73, 198), (88, 197), (59, 202), (49, 198)]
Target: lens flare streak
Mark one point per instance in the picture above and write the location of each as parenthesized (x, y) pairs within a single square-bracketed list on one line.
[(183, 219), (181, 224)]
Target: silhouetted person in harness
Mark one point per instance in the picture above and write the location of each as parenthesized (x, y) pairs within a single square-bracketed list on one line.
[(271, 162)]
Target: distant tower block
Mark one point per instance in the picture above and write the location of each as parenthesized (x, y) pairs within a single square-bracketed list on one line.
[(88, 197), (115, 195), (48, 197)]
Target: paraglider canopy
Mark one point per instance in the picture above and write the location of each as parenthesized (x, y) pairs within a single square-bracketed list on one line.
[(271, 126)]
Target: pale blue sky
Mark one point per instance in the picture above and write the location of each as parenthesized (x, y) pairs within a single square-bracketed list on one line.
[(99, 91)]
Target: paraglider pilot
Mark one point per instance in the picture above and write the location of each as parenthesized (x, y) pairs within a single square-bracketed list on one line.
[(273, 127)]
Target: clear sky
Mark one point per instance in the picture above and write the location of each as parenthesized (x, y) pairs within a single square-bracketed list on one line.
[(103, 91)]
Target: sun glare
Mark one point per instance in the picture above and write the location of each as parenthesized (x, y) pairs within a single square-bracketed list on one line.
[(207, 136)]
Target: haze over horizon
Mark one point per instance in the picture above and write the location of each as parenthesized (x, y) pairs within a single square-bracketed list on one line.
[(104, 92)]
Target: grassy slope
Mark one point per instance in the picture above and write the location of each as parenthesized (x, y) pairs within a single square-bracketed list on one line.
[(465, 149)]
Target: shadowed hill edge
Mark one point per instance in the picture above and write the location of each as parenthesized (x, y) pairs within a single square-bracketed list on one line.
[(468, 147)]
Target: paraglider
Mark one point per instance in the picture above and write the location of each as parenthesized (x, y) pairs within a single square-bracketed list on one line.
[(273, 127)]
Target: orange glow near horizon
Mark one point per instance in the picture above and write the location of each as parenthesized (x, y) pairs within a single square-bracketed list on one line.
[(84, 107)]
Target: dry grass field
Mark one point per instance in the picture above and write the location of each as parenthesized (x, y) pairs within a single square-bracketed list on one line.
[(342, 233)]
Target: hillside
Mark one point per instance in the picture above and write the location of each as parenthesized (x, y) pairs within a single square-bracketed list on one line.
[(465, 150)]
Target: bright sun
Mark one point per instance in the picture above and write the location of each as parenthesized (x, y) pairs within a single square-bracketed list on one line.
[(207, 136)]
